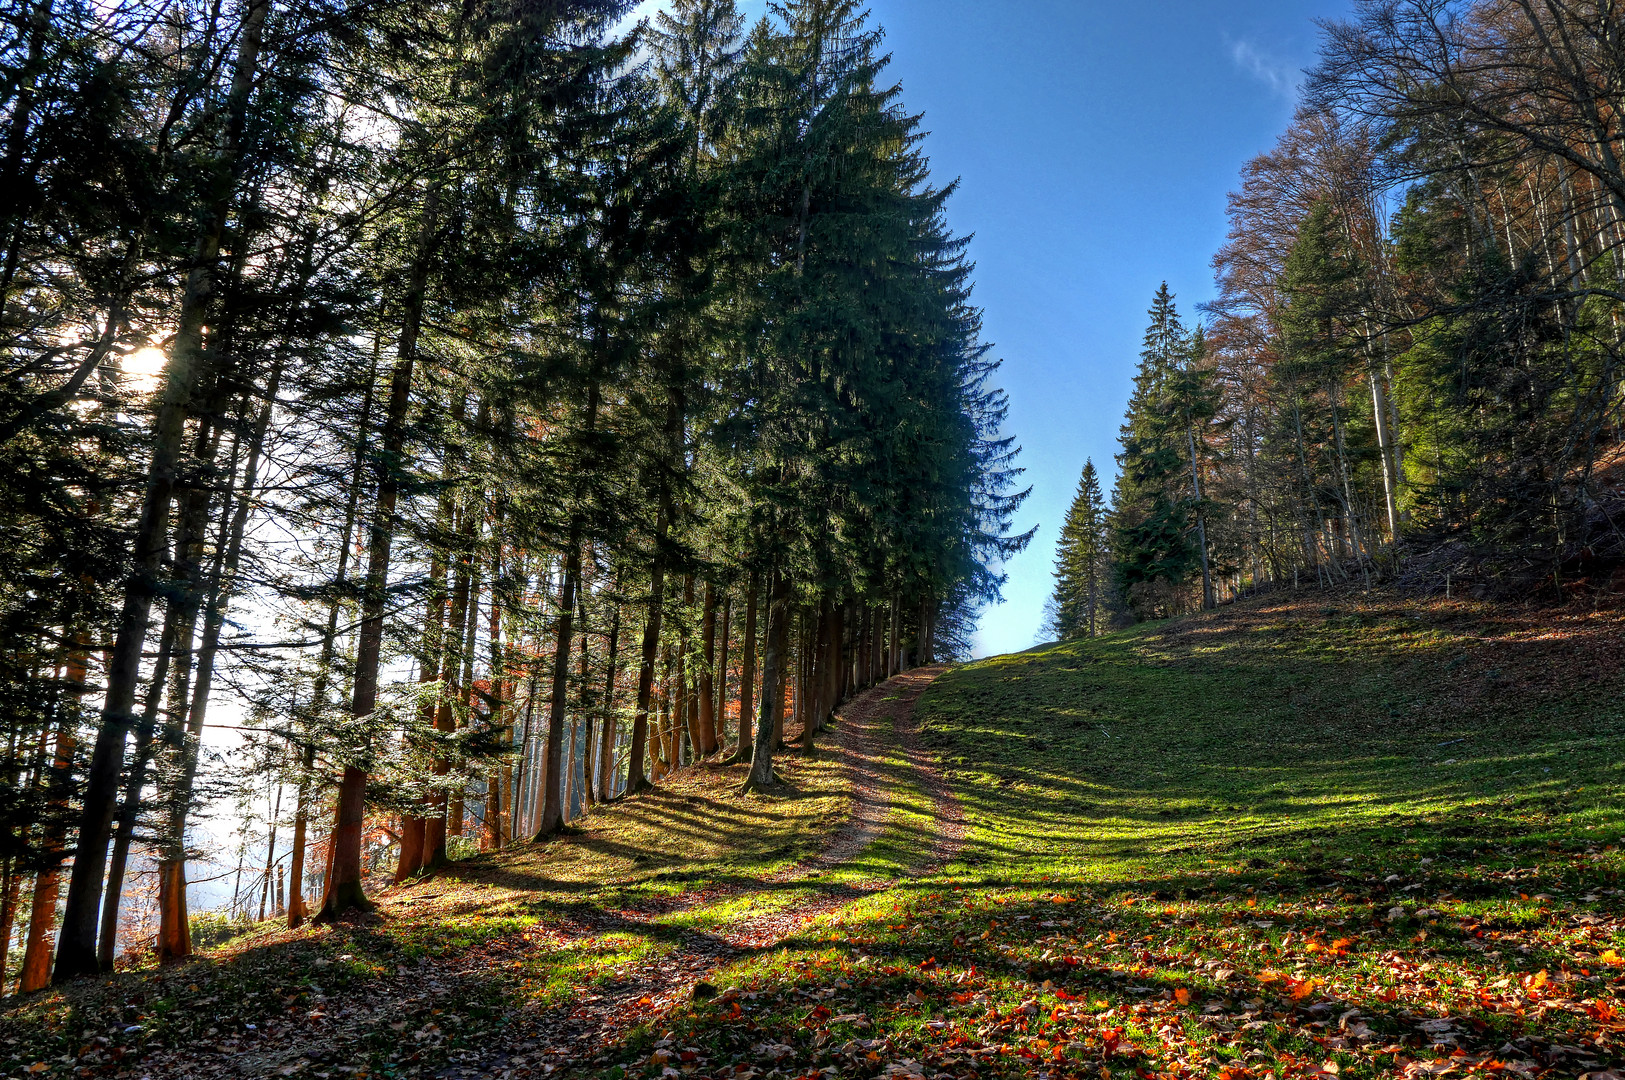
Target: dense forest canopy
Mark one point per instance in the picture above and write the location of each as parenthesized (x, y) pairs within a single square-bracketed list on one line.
[(500, 406), (1412, 366)]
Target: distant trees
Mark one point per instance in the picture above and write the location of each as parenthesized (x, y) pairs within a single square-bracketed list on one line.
[(506, 411), (1416, 334)]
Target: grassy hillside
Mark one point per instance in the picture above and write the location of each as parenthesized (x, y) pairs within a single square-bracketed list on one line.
[(1304, 837), (1291, 731), (1312, 836)]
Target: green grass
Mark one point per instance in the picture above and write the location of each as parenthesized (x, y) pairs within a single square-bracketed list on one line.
[(437, 969), (1366, 832), (1307, 833)]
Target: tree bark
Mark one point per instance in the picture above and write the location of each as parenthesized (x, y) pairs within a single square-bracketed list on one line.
[(552, 803), (589, 795), (409, 859), (36, 972), (636, 781), (344, 889), (707, 689), (297, 911), (1208, 602), (606, 746), (445, 720), (11, 887), (130, 808), (688, 698), (747, 674), (722, 674), (1385, 446), (456, 818), (494, 803), (220, 587), (188, 364), (771, 714), (174, 935), (270, 854)]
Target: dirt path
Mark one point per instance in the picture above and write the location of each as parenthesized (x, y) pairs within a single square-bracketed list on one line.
[(549, 1042)]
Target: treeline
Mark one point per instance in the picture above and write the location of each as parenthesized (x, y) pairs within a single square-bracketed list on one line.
[(1413, 362), (497, 406)]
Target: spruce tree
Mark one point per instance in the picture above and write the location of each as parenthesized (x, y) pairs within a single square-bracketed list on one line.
[(1153, 546), (1081, 562)]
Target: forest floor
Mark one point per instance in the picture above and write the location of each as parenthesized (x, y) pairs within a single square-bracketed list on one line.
[(1312, 835)]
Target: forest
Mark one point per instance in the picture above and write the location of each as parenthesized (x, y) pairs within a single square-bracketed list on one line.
[(498, 497), (489, 409), (1411, 369)]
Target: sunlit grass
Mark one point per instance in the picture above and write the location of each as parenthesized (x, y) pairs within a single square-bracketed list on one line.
[(1364, 835)]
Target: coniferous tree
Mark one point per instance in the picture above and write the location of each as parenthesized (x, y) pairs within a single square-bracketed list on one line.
[(1154, 545), (1082, 563), (522, 352)]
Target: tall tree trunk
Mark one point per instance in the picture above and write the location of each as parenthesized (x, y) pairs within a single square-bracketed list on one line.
[(722, 674), (1385, 446), (270, 853), (415, 826), (878, 661), (553, 814), (1208, 602), (451, 664), (36, 973), (552, 804), (606, 746), (636, 780), (297, 911), (820, 672), (588, 794), (494, 803), (894, 665), (173, 911), (666, 724), (834, 633), (130, 807), (683, 687), (344, 888), (188, 365), (747, 674), (771, 713), (456, 817), (707, 702), (11, 888), (523, 782), (174, 928), (861, 648)]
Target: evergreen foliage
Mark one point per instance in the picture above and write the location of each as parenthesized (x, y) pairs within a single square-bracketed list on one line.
[(506, 406), (1415, 348), (1078, 606)]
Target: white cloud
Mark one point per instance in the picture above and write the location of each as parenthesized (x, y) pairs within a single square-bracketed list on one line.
[(1281, 77)]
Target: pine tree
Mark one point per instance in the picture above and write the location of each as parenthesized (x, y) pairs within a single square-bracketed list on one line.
[(1081, 562), (540, 347), (1153, 522)]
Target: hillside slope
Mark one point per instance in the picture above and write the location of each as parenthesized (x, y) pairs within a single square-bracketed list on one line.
[(1306, 836)]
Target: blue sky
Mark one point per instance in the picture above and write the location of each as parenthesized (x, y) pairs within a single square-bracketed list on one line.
[(1095, 143)]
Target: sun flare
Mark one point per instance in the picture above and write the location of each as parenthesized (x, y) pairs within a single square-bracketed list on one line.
[(143, 369)]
